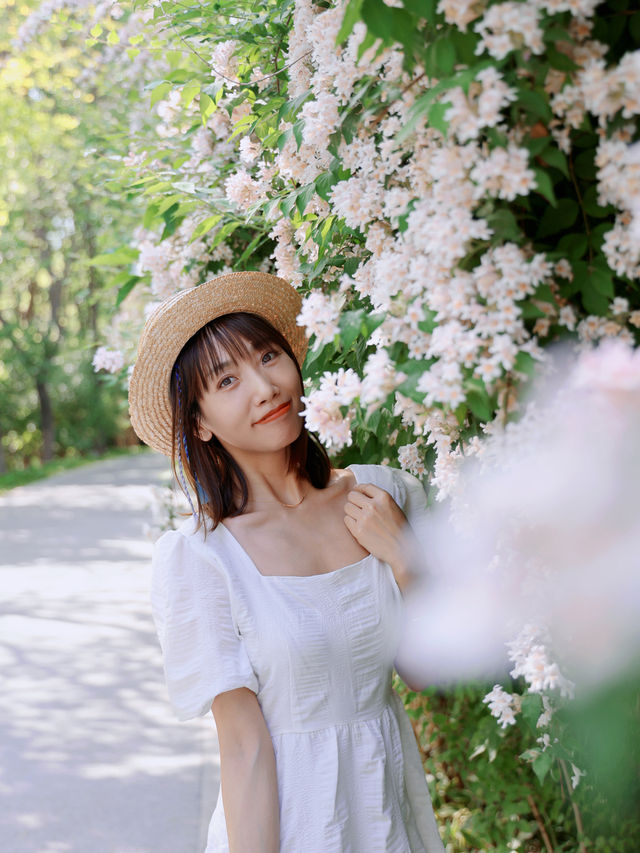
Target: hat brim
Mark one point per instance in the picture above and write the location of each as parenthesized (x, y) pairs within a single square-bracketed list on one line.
[(178, 318)]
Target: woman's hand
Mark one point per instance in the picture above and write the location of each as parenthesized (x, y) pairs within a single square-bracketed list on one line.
[(376, 521)]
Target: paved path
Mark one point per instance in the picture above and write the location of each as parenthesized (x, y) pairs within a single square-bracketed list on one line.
[(91, 758)]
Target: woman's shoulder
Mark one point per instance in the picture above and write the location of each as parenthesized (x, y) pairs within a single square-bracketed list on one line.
[(187, 548), (398, 482), (371, 472)]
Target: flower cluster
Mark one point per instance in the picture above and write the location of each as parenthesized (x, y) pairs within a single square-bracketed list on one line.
[(414, 207), (107, 359), (530, 655), (503, 706), (330, 410)]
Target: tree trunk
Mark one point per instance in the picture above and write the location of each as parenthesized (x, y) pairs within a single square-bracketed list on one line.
[(3, 458), (47, 425)]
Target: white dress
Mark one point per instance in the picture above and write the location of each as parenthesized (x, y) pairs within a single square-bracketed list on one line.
[(318, 652)]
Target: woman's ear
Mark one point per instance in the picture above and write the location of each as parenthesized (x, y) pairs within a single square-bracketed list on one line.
[(203, 432)]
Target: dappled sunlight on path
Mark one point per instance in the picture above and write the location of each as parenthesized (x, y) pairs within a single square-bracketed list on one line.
[(93, 759)]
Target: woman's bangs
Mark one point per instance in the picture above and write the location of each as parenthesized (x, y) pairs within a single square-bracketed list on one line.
[(228, 338)]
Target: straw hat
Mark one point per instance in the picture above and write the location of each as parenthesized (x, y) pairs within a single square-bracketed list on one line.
[(175, 320)]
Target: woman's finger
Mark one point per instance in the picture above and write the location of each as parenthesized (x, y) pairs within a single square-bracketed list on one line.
[(353, 511), (357, 498), (368, 489)]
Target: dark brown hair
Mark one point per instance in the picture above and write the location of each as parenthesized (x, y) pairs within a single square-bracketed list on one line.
[(214, 475)]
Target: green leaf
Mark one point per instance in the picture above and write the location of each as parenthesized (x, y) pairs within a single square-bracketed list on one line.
[(557, 159), (239, 264), (592, 206), (544, 186), (530, 311), (479, 405), (226, 231), (389, 23), (560, 60), (559, 218), (125, 289), (96, 31), (542, 765), (537, 144), (598, 234), (436, 119), (378, 18), (593, 301), (304, 197), (207, 106), (205, 226), (352, 14), (531, 708), (534, 103), (573, 245), (368, 41), (602, 281), (113, 37), (504, 225), (351, 325), (324, 184), (422, 9), (117, 258), (465, 45), (583, 165), (189, 91), (287, 203), (440, 57), (160, 91), (525, 363)]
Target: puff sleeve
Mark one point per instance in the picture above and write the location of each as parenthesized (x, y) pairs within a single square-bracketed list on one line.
[(413, 501), (202, 651)]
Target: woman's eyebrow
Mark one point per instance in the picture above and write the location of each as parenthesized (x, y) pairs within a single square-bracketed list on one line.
[(221, 366)]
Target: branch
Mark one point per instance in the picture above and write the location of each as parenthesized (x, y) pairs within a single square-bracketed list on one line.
[(540, 822), (230, 79), (581, 204), (379, 116), (576, 810)]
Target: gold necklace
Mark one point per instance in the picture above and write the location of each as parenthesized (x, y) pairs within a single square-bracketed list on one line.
[(293, 506)]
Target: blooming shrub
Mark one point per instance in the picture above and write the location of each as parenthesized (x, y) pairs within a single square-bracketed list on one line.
[(452, 185)]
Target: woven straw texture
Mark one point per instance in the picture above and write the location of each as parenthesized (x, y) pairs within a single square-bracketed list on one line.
[(178, 318)]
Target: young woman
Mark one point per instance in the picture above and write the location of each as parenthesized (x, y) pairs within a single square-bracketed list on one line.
[(278, 605)]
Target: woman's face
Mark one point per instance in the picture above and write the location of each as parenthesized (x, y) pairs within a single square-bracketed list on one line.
[(253, 404)]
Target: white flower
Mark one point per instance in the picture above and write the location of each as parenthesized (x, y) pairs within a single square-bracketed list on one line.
[(242, 190), (324, 407), (576, 775), (320, 119), (224, 63), (502, 706), (411, 459), (380, 378), (320, 314), (249, 150), (107, 359), (509, 26)]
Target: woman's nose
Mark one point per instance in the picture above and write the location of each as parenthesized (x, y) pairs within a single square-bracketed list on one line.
[(263, 384)]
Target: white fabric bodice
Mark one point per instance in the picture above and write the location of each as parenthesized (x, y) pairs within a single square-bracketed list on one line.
[(318, 652)]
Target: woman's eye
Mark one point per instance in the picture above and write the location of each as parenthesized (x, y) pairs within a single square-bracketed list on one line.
[(269, 356), (225, 382)]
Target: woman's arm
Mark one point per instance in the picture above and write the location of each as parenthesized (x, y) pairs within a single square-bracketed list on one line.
[(376, 521), (247, 773)]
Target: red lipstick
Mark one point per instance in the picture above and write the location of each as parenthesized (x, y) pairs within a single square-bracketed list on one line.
[(275, 413)]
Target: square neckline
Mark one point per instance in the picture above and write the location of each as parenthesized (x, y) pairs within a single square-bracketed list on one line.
[(248, 559)]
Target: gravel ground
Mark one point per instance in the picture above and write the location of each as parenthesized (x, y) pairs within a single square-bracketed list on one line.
[(92, 758)]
